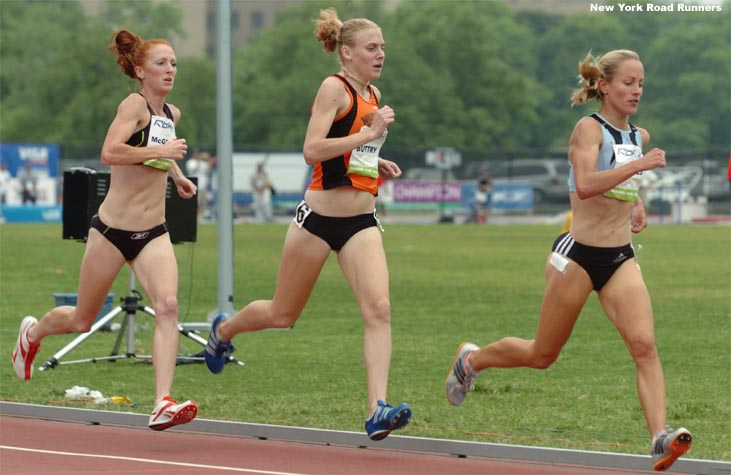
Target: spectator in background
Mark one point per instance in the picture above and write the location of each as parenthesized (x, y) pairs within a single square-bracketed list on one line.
[(384, 198), (5, 178), (262, 190), (28, 179), (482, 196), (198, 166)]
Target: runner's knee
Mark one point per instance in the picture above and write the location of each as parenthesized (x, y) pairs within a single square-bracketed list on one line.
[(642, 346), (284, 320), (167, 307), (543, 359), (81, 326), (79, 322), (378, 313), (281, 317)]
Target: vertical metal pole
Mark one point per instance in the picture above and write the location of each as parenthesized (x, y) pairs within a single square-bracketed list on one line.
[(679, 201), (660, 203), (131, 324), (225, 158)]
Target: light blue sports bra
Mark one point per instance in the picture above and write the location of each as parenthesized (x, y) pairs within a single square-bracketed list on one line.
[(619, 147)]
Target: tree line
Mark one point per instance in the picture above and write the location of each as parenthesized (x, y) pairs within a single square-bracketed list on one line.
[(471, 74)]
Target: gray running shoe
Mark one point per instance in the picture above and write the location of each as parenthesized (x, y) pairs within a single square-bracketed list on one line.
[(668, 445), (460, 378)]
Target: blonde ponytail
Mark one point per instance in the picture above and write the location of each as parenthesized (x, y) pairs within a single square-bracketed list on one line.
[(591, 70)]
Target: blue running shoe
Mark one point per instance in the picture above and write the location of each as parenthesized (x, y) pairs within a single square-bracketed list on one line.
[(216, 349), (386, 419)]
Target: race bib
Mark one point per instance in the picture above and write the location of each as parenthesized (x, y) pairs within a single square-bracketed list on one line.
[(627, 190), (364, 159), (162, 129), (301, 213)]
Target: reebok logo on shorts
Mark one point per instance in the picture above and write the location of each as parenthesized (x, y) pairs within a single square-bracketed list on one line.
[(139, 236), (620, 258)]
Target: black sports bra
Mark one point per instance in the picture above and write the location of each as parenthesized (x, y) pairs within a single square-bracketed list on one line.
[(139, 138)]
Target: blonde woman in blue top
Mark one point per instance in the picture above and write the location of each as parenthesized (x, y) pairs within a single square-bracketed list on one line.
[(607, 160)]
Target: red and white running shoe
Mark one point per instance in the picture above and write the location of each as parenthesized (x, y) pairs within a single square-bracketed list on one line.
[(169, 413), (25, 351)]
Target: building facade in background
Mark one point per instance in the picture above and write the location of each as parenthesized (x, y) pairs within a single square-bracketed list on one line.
[(249, 17)]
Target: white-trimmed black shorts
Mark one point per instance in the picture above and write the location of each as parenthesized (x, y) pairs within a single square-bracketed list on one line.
[(599, 262)]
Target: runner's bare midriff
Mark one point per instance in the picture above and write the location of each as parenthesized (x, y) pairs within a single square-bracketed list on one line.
[(340, 202)]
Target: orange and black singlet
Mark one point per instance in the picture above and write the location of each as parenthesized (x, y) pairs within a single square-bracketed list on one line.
[(333, 173)]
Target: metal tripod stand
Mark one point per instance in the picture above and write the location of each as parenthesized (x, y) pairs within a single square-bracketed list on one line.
[(130, 306)]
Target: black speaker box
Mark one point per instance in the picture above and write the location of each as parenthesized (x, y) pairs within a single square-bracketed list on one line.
[(85, 189)]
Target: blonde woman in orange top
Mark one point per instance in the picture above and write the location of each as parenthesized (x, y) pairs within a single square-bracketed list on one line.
[(347, 127)]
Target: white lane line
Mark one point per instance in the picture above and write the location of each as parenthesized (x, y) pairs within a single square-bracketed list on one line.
[(161, 462)]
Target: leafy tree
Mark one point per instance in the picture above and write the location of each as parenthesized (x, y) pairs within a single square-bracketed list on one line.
[(195, 94), (83, 99), (143, 17), (560, 50), (688, 92), (67, 90), (277, 76), (440, 81), (25, 53), (468, 64), (470, 74), (686, 97)]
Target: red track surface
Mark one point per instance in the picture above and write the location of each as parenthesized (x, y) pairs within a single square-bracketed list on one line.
[(33, 446)]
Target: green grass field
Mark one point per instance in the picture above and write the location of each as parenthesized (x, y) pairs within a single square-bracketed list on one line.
[(448, 284)]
